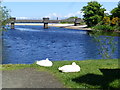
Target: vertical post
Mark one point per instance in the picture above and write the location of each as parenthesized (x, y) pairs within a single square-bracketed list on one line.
[(45, 21), (77, 21), (12, 23)]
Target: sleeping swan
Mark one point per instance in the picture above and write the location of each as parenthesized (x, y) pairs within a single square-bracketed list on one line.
[(70, 68), (45, 63)]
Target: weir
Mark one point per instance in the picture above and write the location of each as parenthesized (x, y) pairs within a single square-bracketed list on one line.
[(45, 21)]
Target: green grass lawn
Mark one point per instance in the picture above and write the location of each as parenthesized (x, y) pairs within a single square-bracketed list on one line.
[(90, 75)]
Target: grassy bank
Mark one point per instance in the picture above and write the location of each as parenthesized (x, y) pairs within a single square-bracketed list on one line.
[(90, 75)]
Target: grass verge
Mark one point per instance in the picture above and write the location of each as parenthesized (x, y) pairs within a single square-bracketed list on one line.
[(90, 75)]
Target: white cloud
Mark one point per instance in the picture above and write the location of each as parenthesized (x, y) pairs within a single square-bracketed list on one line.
[(26, 18), (107, 12), (55, 15), (22, 18), (69, 15), (78, 14)]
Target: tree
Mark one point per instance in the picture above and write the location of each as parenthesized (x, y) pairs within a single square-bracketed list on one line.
[(93, 13), (4, 16), (116, 11)]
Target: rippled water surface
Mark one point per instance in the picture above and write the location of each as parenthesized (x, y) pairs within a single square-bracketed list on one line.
[(26, 44)]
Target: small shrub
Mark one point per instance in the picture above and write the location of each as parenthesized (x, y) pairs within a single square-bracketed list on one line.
[(118, 21), (106, 20), (103, 27), (115, 21), (117, 28)]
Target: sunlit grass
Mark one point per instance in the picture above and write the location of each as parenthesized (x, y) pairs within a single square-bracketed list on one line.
[(90, 75)]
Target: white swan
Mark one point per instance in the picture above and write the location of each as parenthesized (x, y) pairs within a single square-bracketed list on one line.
[(46, 63), (70, 68)]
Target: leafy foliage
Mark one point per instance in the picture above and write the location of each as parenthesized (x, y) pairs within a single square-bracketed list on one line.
[(103, 27), (111, 22), (93, 13), (4, 15), (115, 21), (116, 11), (106, 20), (108, 25)]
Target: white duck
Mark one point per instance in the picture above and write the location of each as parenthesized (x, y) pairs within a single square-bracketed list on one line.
[(46, 63), (70, 68)]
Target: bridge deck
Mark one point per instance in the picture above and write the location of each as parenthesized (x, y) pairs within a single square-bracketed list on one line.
[(38, 21)]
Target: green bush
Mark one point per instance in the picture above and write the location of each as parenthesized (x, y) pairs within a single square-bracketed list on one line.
[(103, 27), (116, 28), (106, 20)]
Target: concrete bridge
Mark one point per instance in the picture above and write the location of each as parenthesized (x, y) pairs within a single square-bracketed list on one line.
[(45, 21)]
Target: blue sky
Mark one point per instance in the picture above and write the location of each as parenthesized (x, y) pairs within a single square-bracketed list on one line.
[(53, 10)]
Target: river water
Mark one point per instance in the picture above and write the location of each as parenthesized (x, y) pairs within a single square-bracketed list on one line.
[(27, 44)]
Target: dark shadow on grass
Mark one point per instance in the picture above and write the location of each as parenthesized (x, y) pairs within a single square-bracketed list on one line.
[(109, 75)]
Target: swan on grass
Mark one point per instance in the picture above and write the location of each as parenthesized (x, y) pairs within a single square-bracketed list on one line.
[(45, 63), (70, 68)]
